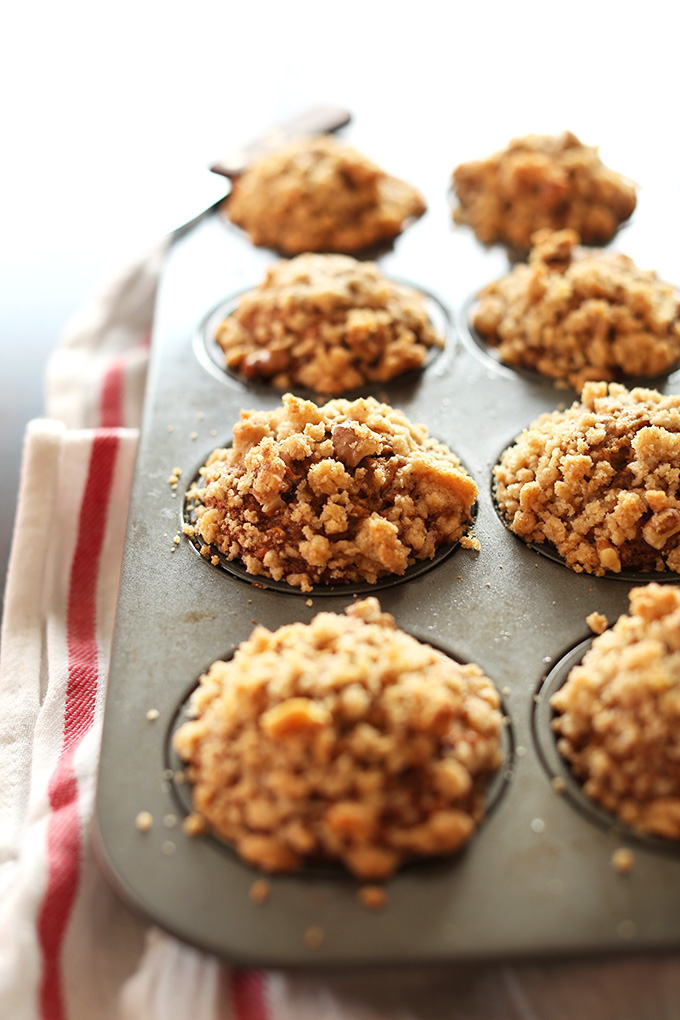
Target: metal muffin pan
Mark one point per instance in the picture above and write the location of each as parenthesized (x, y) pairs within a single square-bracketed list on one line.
[(537, 877)]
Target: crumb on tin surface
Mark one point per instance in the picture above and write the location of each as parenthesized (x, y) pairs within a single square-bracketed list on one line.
[(623, 860), (260, 891), (144, 821), (374, 897), (314, 937), (597, 622)]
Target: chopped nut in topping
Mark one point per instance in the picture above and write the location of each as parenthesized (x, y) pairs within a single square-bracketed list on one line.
[(599, 481), (618, 722), (349, 491), (342, 739), (575, 314), (542, 181), (328, 323), (317, 194)]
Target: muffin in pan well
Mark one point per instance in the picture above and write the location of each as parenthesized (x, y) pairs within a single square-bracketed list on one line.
[(317, 194), (599, 481), (540, 181), (618, 714), (345, 492), (327, 323), (576, 314), (343, 739)]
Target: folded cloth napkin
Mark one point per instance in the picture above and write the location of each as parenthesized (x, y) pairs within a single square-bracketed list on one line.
[(69, 950)]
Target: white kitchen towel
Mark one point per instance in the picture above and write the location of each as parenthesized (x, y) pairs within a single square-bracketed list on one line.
[(69, 950)]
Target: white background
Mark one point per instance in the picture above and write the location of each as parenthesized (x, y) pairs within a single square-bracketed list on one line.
[(111, 114)]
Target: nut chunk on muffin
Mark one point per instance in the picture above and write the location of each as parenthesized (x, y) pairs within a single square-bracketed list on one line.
[(542, 181), (319, 195), (599, 481), (342, 739), (619, 714), (576, 314), (329, 323), (341, 493)]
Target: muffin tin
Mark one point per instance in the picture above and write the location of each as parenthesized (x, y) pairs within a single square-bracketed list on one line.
[(537, 877)]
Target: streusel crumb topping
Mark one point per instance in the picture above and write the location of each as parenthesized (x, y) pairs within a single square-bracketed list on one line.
[(342, 739), (600, 481), (317, 194), (328, 323), (619, 714), (345, 492)]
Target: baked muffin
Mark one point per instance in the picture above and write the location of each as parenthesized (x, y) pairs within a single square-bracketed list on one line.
[(575, 314), (346, 492), (328, 323), (599, 481), (619, 714), (542, 181), (317, 194), (342, 739)]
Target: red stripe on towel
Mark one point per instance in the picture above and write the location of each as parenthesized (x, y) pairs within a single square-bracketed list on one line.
[(64, 846), (111, 409), (249, 995)]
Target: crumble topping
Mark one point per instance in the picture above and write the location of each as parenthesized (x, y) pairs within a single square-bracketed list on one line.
[(542, 181), (342, 739), (575, 314), (345, 492), (619, 716), (317, 194), (599, 481), (328, 323)]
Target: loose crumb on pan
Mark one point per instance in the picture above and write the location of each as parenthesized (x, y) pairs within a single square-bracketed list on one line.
[(342, 739), (618, 714), (558, 784), (575, 314), (314, 937), (260, 891), (327, 323), (319, 195), (623, 860), (374, 897), (152, 715), (597, 622), (144, 821), (599, 481), (540, 181), (194, 825), (345, 492)]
